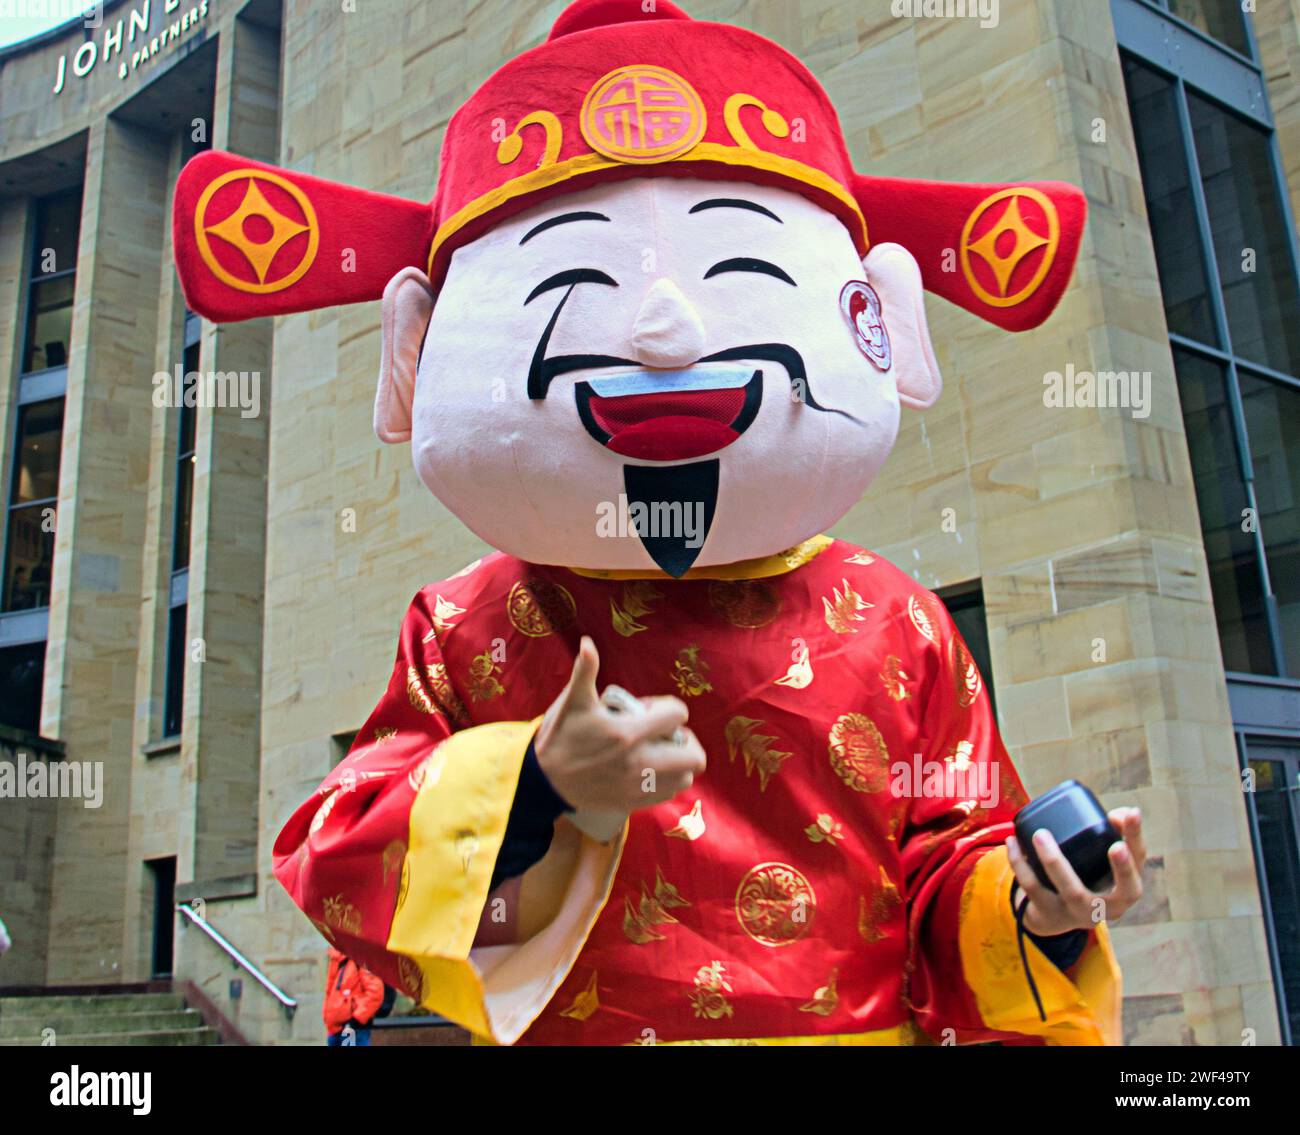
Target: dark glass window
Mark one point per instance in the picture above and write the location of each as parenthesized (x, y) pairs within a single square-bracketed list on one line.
[(185, 470), (1219, 19), (22, 674), (1170, 207), (1249, 230), (1230, 546), (33, 495), (1273, 425), (174, 695), (58, 225), (49, 324), (52, 283)]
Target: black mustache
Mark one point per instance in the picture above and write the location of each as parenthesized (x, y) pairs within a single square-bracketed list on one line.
[(544, 370)]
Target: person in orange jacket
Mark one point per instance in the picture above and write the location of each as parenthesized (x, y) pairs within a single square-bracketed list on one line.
[(352, 997)]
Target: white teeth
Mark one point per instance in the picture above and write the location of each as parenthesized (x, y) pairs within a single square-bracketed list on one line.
[(704, 376)]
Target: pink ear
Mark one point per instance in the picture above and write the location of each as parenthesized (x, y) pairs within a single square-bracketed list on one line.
[(407, 308), (893, 272)]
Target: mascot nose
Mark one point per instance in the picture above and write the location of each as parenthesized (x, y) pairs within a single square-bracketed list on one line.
[(667, 331)]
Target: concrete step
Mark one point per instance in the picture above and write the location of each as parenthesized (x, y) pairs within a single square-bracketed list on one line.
[(68, 1024), (104, 1004), (161, 1038)]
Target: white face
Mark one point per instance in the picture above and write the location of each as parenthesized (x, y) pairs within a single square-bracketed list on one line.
[(674, 341)]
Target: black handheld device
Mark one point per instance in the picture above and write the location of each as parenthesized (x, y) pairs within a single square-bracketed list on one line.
[(1079, 825)]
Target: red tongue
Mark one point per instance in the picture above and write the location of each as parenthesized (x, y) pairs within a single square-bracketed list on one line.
[(616, 414)]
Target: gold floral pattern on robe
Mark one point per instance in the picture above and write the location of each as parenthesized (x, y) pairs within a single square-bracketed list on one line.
[(707, 997), (585, 1003), (482, 682), (743, 737), (638, 598), (878, 908), (342, 915), (825, 999), (689, 671), (843, 608)]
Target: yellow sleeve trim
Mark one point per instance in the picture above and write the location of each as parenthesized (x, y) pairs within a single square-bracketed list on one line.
[(457, 825), (1082, 1011)]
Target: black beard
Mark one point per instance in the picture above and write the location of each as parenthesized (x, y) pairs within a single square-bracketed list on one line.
[(683, 486)]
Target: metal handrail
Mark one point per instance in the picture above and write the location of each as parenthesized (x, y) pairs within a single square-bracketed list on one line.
[(237, 956)]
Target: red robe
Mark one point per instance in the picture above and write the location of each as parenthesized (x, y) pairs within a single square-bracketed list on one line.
[(817, 881)]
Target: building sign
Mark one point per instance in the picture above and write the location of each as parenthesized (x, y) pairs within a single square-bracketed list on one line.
[(128, 40)]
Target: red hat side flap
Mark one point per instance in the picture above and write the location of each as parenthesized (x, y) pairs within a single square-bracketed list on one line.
[(1004, 252), (251, 239)]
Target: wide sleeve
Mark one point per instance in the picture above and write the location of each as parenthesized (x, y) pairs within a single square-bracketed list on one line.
[(966, 979), (392, 857)]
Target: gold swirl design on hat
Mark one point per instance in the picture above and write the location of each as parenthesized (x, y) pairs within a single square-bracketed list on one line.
[(773, 121), (512, 145)]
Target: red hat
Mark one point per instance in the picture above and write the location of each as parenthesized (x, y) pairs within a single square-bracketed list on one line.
[(614, 92)]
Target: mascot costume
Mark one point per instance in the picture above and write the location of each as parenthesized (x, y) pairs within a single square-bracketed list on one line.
[(649, 340)]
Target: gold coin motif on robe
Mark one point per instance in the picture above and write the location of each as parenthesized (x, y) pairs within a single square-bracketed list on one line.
[(858, 753), (924, 613), (446, 699), (411, 976), (775, 904), (538, 607), (745, 603), (965, 673)]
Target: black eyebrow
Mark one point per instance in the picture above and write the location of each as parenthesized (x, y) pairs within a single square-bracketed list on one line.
[(562, 219), (568, 278), (748, 264), (735, 203)]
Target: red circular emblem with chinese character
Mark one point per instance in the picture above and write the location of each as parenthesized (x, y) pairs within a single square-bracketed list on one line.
[(865, 314), (642, 114)]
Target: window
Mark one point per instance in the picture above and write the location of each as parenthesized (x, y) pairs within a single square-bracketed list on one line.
[(33, 496), (32, 487), (22, 672), (1228, 276), (178, 607), (52, 279)]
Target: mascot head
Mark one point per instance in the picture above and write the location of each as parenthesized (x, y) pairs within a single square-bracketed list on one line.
[(652, 317)]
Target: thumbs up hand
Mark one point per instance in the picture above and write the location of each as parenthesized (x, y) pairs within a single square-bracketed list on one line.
[(599, 760)]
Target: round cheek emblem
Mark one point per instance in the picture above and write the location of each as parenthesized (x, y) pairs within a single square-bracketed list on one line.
[(861, 307)]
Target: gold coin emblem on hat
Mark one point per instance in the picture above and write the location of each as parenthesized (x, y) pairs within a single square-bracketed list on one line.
[(258, 229), (1009, 243), (642, 114)]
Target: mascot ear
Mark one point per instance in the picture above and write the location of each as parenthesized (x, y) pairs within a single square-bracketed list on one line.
[(407, 308), (894, 274)]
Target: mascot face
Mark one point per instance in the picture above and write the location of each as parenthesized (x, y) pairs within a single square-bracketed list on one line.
[(656, 372)]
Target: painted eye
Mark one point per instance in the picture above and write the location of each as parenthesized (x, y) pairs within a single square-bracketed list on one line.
[(568, 278), (748, 264)]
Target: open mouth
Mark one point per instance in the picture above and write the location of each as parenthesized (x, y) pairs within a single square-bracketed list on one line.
[(670, 415)]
